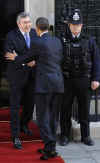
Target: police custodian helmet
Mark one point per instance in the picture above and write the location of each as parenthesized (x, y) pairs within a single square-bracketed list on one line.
[(75, 17)]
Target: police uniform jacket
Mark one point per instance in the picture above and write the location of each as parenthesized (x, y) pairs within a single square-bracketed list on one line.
[(88, 62)]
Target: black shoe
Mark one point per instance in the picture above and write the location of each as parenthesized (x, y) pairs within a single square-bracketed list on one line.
[(88, 141), (42, 151), (63, 140), (49, 154), (26, 131), (17, 143)]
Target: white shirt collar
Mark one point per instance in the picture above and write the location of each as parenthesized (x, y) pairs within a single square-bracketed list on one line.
[(75, 36), (43, 33), (23, 33)]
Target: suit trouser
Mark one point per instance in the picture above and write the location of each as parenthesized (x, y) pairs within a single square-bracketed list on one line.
[(47, 107), (76, 88), (16, 94)]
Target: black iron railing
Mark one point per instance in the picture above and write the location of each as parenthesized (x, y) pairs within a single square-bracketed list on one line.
[(95, 116)]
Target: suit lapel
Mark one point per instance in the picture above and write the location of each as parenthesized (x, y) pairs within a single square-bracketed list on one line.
[(31, 36), (45, 35), (20, 35)]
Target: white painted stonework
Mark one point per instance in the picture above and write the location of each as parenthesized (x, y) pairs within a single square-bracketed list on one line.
[(38, 8)]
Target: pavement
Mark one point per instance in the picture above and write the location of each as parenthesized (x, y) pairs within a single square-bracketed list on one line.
[(77, 152)]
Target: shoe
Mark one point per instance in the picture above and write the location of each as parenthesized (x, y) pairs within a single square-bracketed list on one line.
[(88, 141), (49, 154), (63, 140), (42, 151), (26, 131), (17, 143)]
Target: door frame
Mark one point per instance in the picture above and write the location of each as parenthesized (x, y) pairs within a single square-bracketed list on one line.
[(27, 5)]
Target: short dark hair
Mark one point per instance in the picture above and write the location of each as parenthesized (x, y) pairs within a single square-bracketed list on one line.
[(42, 23)]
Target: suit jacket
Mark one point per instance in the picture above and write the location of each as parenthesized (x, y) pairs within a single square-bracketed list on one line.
[(48, 50), (18, 73)]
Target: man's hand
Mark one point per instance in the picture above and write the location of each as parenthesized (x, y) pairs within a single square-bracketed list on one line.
[(10, 56), (95, 85), (31, 64)]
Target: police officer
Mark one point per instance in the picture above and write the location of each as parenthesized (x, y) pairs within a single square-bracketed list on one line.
[(81, 70)]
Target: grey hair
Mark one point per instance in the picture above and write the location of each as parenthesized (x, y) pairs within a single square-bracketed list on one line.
[(22, 15)]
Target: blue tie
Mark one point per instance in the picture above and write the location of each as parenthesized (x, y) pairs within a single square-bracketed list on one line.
[(27, 39)]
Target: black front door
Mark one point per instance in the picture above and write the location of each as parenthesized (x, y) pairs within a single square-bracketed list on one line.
[(8, 12)]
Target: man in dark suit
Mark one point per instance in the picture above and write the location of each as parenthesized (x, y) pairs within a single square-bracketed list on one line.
[(20, 77), (49, 84)]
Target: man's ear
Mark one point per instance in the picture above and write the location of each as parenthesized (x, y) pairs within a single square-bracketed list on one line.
[(18, 24), (37, 31)]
